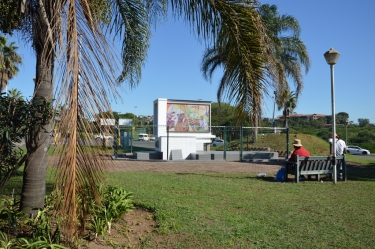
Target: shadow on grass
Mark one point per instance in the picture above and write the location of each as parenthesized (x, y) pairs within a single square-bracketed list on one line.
[(361, 173)]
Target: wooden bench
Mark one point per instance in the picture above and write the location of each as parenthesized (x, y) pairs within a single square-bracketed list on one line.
[(314, 165)]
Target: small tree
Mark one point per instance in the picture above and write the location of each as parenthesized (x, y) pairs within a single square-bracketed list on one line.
[(17, 116), (363, 122)]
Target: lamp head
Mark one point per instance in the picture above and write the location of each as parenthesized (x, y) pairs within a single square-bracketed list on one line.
[(331, 56)]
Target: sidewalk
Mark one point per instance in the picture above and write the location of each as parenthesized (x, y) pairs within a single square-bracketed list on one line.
[(192, 166)]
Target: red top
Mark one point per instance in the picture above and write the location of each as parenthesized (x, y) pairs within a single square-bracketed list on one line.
[(300, 151)]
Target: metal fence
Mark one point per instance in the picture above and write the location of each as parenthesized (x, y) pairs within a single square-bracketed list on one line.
[(234, 138)]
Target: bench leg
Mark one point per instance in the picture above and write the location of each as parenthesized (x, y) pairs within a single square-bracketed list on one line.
[(286, 174), (318, 177), (297, 176)]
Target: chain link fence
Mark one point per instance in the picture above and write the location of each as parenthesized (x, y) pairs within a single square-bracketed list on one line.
[(227, 138)]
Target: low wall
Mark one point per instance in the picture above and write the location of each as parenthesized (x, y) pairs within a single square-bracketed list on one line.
[(255, 156)]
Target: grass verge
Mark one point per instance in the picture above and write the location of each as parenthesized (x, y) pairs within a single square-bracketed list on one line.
[(243, 211), (216, 210)]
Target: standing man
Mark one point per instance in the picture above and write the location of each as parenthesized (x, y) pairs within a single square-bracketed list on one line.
[(340, 150), (340, 145)]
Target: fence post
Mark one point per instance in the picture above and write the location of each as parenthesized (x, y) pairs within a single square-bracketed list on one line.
[(225, 143), (131, 140), (241, 142), (167, 142), (115, 139), (287, 143)]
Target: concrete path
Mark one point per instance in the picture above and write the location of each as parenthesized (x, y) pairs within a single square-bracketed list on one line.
[(192, 166)]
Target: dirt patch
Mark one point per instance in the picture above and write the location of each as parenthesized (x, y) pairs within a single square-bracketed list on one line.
[(129, 232)]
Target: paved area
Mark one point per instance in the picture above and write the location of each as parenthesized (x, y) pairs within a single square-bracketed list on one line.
[(189, 166)]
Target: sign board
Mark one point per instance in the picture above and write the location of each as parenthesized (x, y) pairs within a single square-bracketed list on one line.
[(183, 117), (125, 122), (107, 121)]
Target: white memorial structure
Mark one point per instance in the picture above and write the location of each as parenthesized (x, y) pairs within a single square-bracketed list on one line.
[(181, 127)]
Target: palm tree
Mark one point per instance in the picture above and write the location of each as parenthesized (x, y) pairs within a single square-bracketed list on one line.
[(71, 33), (247, 63), (9, 61), (291, 52), (287, 101), (15, 93)]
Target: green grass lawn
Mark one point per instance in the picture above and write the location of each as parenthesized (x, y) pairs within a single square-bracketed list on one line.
[(213, 210), (243, 211)]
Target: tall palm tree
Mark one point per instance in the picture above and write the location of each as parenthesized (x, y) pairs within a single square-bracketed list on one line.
[(291, 54), (290, 50), (247, 64), (9, 60), (71, 33)]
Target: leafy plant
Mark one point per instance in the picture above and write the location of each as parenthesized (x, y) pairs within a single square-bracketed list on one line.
[(98, 226), (5, 241), (9, 212), (115, 202), (39, 243), (17, 116)]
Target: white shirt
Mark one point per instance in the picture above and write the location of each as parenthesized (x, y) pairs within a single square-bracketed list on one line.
[(340, 146)]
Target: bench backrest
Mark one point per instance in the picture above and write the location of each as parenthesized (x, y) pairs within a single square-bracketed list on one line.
[(322, 164)]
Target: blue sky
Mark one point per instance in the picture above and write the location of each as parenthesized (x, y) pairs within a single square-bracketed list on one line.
[(173, 65)]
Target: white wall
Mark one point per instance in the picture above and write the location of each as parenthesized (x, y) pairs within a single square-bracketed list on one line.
[(188, 142)]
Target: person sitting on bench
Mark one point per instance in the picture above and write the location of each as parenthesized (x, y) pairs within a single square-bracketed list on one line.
[(298, 150)]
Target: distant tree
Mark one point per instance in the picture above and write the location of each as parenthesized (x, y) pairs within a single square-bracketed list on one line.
[(14, 93), (287, 101), (342, 117), (222, 114), (363, 122), (9, 61)]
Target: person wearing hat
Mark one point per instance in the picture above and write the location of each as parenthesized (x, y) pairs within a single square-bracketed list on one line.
[(182, 122), (340, 145), (298, 150), (340, 150)]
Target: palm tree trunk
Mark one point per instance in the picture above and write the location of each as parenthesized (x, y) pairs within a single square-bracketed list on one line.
[(285, 113), (3, 80), (38, 139)]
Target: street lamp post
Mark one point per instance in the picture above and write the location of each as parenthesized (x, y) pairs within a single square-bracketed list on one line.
[(273, 116), (134, 116), (347, 122), (346, 131), (133, 130), (332, 57)]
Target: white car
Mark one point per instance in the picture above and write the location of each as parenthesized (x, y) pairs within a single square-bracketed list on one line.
[(152, 138), (355, 150), (143, 137), (103, 136), (217, 142)]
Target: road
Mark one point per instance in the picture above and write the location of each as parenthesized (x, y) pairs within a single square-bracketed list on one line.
[(144, 144), (372, 156)]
